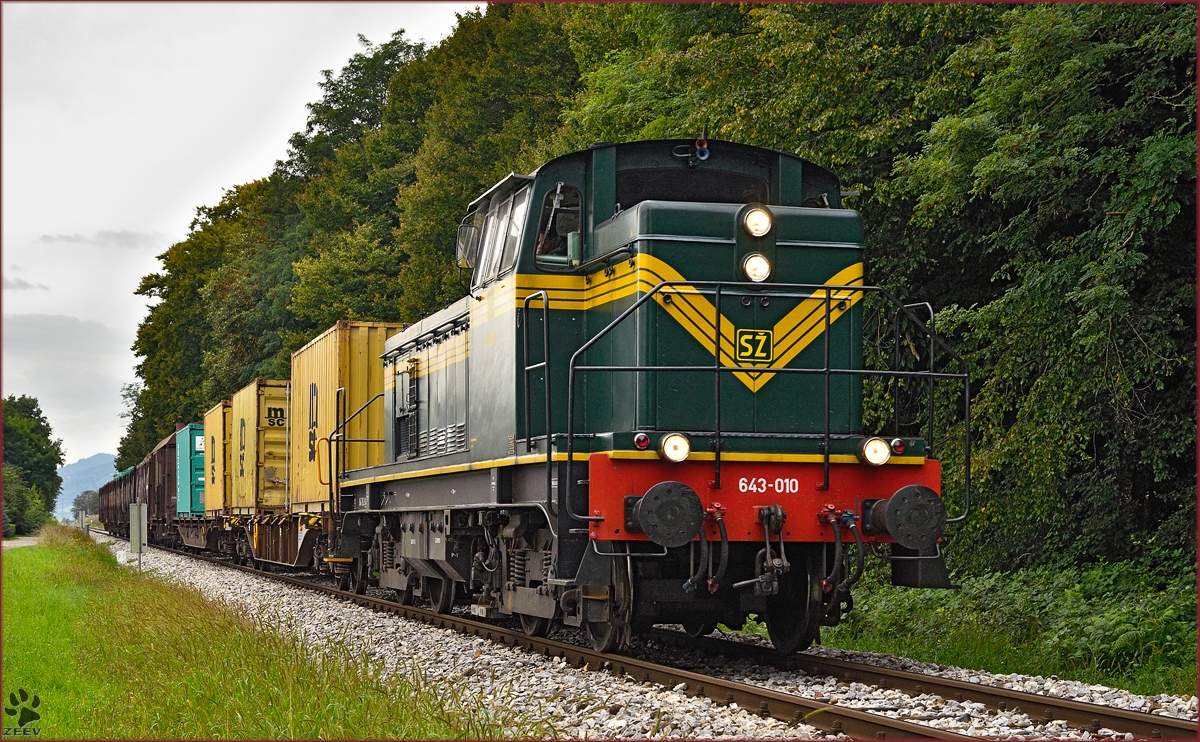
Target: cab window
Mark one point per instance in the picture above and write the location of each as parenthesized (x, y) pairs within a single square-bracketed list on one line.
[(516, 223), (494, 231), (558, 239)]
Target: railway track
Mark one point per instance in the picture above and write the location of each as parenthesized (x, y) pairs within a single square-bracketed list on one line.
[(784, 706), (1089, 716)]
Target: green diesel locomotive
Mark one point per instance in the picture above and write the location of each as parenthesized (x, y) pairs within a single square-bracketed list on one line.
[(649, 407)]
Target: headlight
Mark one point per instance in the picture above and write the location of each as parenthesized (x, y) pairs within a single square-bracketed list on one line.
[(874, 451), (756, 267), (757, 222), (674, 447)]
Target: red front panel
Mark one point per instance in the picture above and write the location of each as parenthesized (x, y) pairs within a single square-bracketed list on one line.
[(747, 484)]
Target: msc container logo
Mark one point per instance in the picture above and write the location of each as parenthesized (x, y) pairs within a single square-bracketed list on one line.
[(276, 417), (755, 346), (312, 422)]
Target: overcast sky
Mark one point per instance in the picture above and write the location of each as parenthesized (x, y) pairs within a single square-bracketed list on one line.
[(118, 120)]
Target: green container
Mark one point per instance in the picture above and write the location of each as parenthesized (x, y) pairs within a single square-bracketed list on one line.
[(189, 471)]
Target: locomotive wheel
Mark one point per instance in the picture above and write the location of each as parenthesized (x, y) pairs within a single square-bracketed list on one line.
[(343, 580), (794, 614), (607, 636), (535, 625), (440, 594), (696, 628)]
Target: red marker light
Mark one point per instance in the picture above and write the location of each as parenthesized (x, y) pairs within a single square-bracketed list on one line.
[(642, 441), (898, 446)]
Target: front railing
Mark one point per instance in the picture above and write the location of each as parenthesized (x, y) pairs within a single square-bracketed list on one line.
[(828, 296)]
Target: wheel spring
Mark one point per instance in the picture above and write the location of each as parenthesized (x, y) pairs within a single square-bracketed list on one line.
[(517, 567)]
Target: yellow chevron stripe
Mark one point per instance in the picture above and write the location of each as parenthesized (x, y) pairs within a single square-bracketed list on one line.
[(695, 313)]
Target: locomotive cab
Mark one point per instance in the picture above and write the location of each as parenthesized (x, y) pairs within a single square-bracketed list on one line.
[(649, 409)]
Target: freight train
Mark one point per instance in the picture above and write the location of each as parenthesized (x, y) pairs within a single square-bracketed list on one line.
[(656, 403)]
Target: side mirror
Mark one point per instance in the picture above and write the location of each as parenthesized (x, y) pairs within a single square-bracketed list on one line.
[(467, 247)]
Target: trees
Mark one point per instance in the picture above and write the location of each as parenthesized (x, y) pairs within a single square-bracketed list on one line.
[(86, 502), (1029, 170), (24, 506), (30, 449), (1074, 167)]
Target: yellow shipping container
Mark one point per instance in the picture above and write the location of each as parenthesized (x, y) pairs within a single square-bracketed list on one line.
[(258, 455), (332, 377), (216, 458)]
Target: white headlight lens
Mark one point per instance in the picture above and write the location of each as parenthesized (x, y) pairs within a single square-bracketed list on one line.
[(756, 267), (757, 222), (675, 447), (874, 451)]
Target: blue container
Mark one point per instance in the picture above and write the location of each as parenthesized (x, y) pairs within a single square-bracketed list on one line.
[(189, 468)]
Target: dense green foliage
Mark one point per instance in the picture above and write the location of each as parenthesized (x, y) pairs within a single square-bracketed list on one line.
[(78, 629), (1124, 624), (31, 460), (1029, 170), (24, 507)]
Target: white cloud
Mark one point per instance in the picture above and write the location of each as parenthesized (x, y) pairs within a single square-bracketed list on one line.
[(19, 284), (108, 238), (75, 368)]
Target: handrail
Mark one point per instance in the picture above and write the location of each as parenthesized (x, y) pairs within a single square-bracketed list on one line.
[(827, 371), (545, 366)]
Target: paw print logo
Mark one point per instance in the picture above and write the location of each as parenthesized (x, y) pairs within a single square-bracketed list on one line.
[(23, 706)]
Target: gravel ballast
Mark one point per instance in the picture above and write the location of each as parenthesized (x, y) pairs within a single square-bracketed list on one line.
[(580, 703)]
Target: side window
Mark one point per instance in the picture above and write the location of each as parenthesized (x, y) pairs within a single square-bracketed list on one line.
[(558, 239), (515, 224)]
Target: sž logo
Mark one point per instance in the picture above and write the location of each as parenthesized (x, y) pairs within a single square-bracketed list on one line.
[(23, 707)]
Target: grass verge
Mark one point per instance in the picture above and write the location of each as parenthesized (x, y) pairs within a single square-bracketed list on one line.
[(114, 654), (1124, 625)]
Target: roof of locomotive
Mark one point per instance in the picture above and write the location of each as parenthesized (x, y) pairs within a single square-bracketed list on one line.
[(647, 148)]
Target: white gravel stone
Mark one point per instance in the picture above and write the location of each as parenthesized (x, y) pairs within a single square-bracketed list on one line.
[(962, 717)]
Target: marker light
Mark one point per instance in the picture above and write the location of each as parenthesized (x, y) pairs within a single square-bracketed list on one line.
[(874, 451), (641, 440), (756, 267), (757, 222), (898, 446), (674, 447)]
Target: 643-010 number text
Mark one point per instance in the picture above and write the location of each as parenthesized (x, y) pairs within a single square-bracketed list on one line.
[(779, 486)]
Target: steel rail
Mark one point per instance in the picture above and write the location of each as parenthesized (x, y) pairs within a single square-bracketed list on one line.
[(786, 707), (1087, 716)]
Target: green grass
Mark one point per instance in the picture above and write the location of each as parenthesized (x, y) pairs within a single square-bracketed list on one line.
[(1122, 625), (119, 655)]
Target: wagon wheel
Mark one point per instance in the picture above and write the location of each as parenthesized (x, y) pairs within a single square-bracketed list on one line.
[(794, 614), (440, 594), (343, 579), (612, 634), (535, 625), (358, 577)]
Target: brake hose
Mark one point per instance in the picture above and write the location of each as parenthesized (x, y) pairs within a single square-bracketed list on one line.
[(697, 578), (835, 601), (715, 582), (844, 587)]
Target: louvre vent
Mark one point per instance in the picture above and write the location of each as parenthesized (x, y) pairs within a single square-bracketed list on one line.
[(441, 441)]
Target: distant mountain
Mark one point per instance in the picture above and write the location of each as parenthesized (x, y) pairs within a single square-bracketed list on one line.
[(85, 474)]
